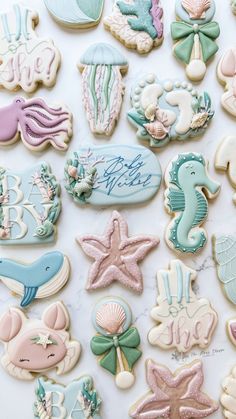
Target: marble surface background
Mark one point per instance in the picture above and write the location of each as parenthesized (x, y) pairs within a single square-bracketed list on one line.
[(16, 398)]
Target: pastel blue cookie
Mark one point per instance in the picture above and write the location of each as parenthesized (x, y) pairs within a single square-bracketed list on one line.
[(29, 205), (78, 400), (186, 10), (224, 250), (112, 174), (76, 13), (40, 279)]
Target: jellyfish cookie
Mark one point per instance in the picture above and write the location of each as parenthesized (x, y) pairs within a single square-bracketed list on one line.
[(102, 67), (226, 73), (188, 185), (163, 111), (225, 159), (228, 395), (33, 346), (36, 123), (37, 280), (183, 320), (25, 60), (78, 400), (194, 34), (116, 343), (137, 24), (175, 395), (75, 14)]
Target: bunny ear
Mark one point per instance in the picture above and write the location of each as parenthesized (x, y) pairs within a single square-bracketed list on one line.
[(228, 64), (56, 317), (10, 325)]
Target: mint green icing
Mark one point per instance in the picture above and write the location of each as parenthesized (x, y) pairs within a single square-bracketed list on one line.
[(143, 20), (101, 54), (224, 247)]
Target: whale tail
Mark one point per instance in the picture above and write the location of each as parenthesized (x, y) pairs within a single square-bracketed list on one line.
[(29, 295)]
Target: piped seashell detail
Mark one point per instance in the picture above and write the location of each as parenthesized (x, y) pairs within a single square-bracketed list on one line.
[(157, 130), (196, 8), (111, 317)]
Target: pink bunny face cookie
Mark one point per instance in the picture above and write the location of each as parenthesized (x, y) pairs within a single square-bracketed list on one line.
[(33, 346)]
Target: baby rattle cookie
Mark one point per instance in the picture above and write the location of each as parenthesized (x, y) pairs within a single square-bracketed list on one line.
[(228, 395), (29, 205), (168, 110), (40, 279), (188, 187), (137, 24), (194, 35), (77, 400), (183, 320), (175, 395), (102, 67), (116, 255), (225, 159), (75, 14), (25, 59), (224, 253), (112, 175), (116, 343), (226, 73), (36, 123), (34, 346)]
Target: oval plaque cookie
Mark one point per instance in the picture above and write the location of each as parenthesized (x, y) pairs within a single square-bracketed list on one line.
[(112, 174)]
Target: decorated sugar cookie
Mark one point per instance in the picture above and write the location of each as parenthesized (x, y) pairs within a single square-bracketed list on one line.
[(78, 400), (137, 24), (75, 13), (34, 346), (102, 67), (182, 319), (189, 187), (195, 35), (40, 279), (225, 159), (233, 5), (26, 60), (36, 123), (228, 395), (163, 111), (117, 342), (116, 255), (112, 174), (29, 205), (224, 252), (231, 329), (174, 395), (226, 73)]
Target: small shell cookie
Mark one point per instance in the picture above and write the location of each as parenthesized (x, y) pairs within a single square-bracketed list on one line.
[(34, 346), (116, 343)]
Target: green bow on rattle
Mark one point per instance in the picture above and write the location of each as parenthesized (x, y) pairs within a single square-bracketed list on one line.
[(111, 345), (185, 33)]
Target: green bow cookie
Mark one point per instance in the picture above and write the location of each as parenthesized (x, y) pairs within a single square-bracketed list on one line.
[(183, 32), (107, 345)]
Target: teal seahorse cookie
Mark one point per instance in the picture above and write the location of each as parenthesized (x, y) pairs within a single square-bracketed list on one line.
[(188, 187)]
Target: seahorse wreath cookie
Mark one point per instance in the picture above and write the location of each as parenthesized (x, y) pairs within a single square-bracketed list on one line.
[(183, 320), (168, 110), (78, 400), (226, 73), (195, 34), (175, 395), (102, 68), (138, 24), (25, 59), (33, 346), (117, 342), (188, 187)]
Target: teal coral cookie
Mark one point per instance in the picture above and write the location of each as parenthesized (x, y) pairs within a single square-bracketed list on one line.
[(188, 187), (136, 23), (168, 110)]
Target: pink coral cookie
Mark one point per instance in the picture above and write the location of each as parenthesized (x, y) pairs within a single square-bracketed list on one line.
[(34, 346), (174, 396), (116, 255)]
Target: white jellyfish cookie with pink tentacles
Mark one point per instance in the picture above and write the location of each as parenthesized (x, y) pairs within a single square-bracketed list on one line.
[(36, 124), (226, 73), (163, 111), (117, 342)]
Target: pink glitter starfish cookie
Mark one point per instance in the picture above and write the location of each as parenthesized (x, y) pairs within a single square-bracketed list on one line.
[(116, 256), (174, 396)]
